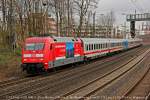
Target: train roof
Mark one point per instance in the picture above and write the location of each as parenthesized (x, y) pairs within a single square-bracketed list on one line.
[(102, 40), (66, 39), (72, 39), (39, 39)]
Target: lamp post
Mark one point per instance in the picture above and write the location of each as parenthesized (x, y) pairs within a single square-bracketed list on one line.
[(94, 15), (125, 26), (45, 17)]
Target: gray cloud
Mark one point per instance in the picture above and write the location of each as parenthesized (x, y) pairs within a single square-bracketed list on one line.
[(123, 6)]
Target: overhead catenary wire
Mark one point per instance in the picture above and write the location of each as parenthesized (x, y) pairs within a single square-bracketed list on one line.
[(137, 6)]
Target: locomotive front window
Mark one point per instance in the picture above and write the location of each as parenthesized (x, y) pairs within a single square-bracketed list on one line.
[(30, 46), (39, 46), (34, 46)]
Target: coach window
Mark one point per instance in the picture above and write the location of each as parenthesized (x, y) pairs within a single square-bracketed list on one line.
[(89, 46), (96, 46), (86, 47), (113, 44)]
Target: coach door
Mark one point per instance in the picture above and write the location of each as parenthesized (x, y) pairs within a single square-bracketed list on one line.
[(69, 49)]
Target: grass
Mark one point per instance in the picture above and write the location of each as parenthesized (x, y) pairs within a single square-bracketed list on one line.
[(9, 63)]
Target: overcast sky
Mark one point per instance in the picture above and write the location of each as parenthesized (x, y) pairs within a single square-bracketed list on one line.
[(123, 6)]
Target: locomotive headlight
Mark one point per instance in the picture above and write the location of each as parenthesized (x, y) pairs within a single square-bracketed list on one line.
[(27, 55), (39, 55), (24, 59), (41, 59)]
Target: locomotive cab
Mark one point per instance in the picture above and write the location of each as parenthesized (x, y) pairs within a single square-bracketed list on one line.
[(36, 54)]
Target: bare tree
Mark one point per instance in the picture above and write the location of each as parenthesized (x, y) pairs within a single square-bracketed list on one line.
[(4, 12), (83, 7)]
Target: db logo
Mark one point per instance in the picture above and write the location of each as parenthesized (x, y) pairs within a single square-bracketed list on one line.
[(33, 55)]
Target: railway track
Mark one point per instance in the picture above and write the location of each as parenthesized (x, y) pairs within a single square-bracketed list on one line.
[(124, 95), (22, 80), (140, 84), (30, 78), (148, 96), (90, 88), (121, 88), (31, 91)]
